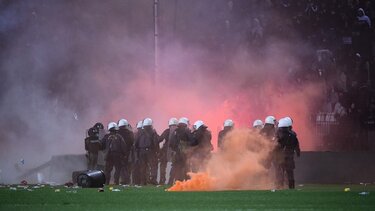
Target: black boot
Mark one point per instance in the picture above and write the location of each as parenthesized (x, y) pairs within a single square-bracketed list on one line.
[(291, 184)]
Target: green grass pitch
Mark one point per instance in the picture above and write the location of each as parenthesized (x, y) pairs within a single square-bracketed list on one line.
[(307, 197)]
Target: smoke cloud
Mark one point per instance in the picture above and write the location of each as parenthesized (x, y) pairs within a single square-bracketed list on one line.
[(242, 165), (67, 65)]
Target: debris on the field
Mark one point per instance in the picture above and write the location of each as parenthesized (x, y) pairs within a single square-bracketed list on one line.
[(12, 188), (52, 183), (36, 186), (115, 190), (273, 190), (100, 189), (125, 186), (71, 191), (137, 186), (30, 190), (346, 189), (22, 187), (301, 185), (364, 193), (68, 184), (57, 190)]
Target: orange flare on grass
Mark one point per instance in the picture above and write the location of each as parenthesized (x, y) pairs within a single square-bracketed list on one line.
[(198, 182)]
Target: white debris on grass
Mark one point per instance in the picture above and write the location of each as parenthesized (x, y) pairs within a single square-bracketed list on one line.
[(71, 191), (116, 190), (364, 193), (12, 188), (22, 186), (52, 183)]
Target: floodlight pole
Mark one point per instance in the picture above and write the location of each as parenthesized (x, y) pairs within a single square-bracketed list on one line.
[(156, 40)]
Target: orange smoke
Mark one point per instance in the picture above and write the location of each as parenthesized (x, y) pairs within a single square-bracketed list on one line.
[(199, 182), (243, 164)]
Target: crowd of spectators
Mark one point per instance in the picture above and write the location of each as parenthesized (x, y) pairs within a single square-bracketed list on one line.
[(340, 34)]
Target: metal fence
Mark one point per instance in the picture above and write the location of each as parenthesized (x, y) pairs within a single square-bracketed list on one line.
[(324, 123)]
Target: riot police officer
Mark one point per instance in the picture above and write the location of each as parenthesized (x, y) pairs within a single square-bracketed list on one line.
[(116, 151), (147, 148), (228, 126), (165, 152), (203, 146), (136, 162), (288, 144), (102, 153), (182, 140), (127, 134), (92, 146)]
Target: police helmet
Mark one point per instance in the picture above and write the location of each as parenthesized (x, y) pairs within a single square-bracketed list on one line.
[(139, 124), (198, 124), (183, 120), (147, 122), (283, 122), (228, 123), (123, 122), (99, 125), (92, 132), (257, 123), (270, 120), (112, 126), (289, 121), (172, 121)]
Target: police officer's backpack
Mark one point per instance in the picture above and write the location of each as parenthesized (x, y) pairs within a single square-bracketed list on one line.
[(114, 143)]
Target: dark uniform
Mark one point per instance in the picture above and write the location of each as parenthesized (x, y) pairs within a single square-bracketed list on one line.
[(92, 146), (203, 148), (116, 152), (128, 137), (102, 153), (147, 148), (182, 140), (287, 144), (269, 132), (165, 154), (134, 155), (222, 133)]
